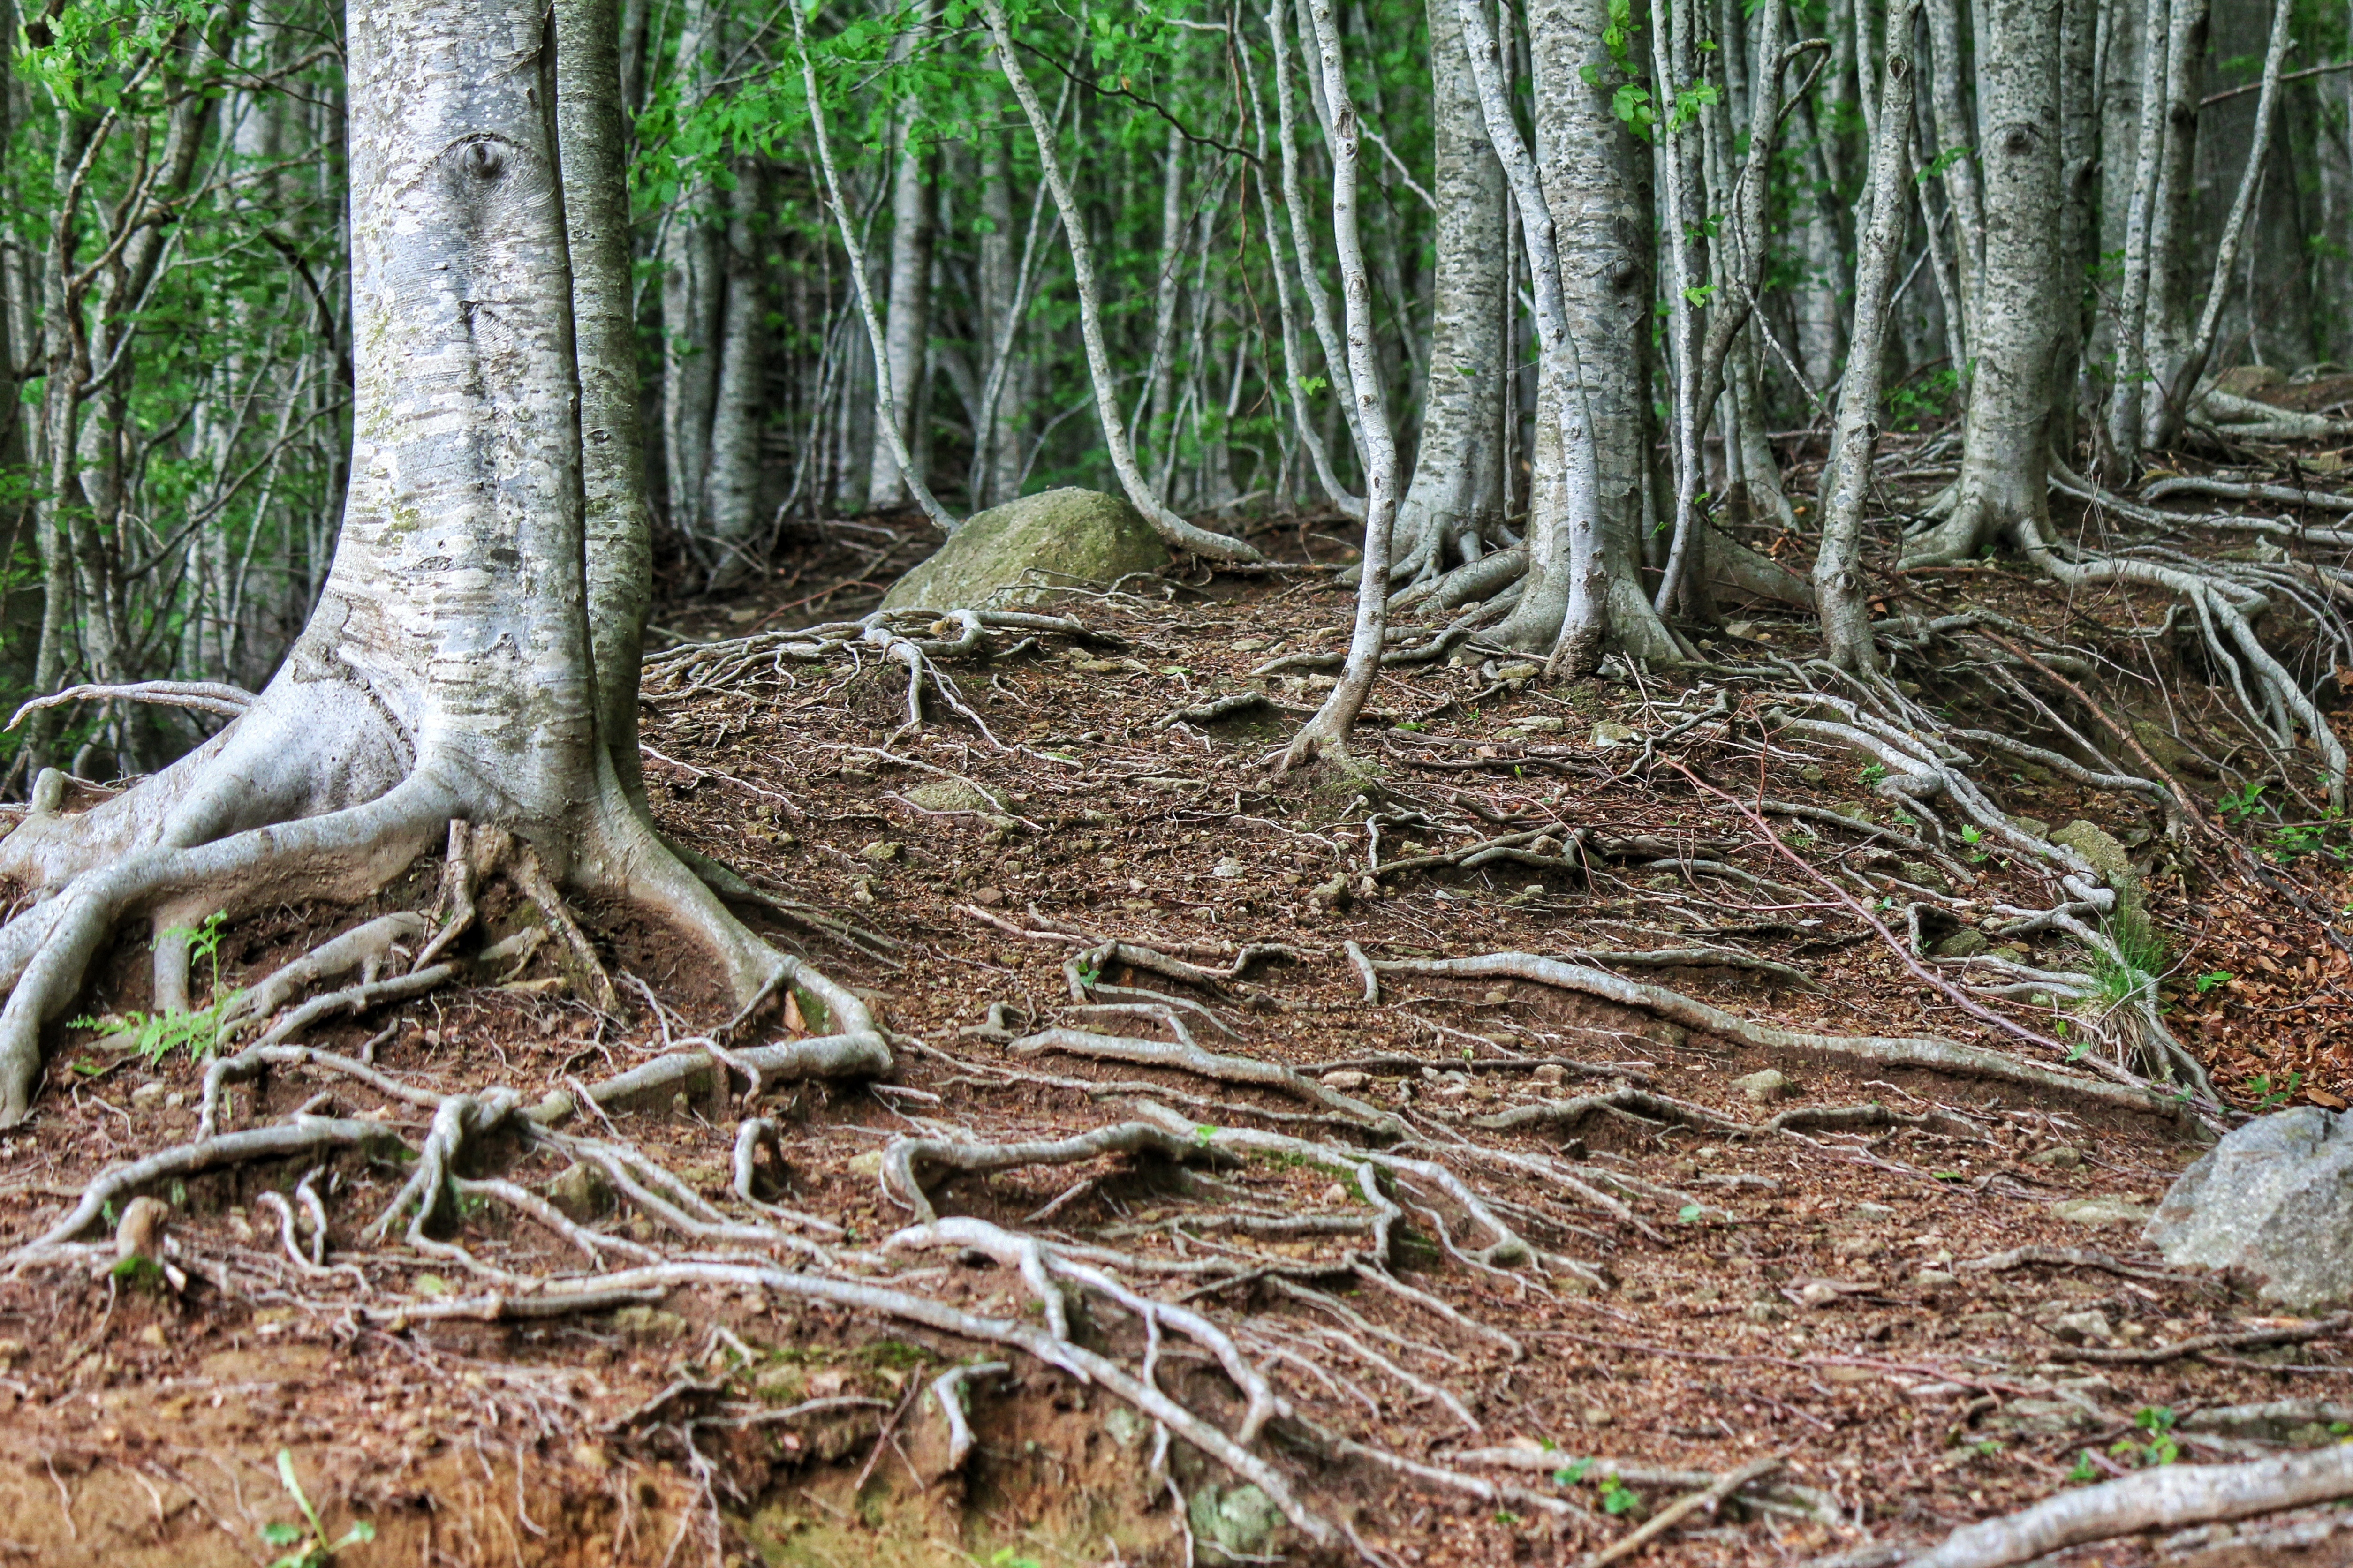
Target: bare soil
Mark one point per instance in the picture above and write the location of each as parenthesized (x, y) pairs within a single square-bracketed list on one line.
[(143, 1423)]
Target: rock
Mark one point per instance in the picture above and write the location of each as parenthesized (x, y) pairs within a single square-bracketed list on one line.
[(1920, 874), (949, 794), (1228, 868), (1550, 1075), (1872, 1211), (881, 851), (2248, 380), (1518, 669), (1763, 1312), (2032, 826), (869, 1164), (1540, 724), (2101, 1211), (1744, 630), (1347, 1080), (1937, 1279), (2076, 1328), (147, 1096), (1812, 774), (648, 1323), (2107, 856), (1075, 536), (1963, 943), (1818, 1294), (2272, 1199), (1854, 1247), (581, 1192), (1767, 1085), (2059, 1157), (1595, 1416), (1610, 732), (1241, 1521)]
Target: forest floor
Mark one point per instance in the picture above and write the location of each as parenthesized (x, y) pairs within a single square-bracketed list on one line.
[(1728, 1277)]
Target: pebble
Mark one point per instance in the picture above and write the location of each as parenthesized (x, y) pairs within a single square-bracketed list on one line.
[(1764, 1086), (1818, 1294), (881, 850), (2076, 1328), (1610, 732), (146, 1095), (1595, 1416), (2101, 1211), (866, 1165), (1347, 1080), (2060, 1157), (1937, 1279), (1335, 1194), (1764, 1313), (1550, 1073)]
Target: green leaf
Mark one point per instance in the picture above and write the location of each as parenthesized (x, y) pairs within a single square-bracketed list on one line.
[(279, 1533), (1689, 1212)]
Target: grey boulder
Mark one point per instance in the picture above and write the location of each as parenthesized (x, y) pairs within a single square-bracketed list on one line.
[(2272, 1200), (1028, 553)]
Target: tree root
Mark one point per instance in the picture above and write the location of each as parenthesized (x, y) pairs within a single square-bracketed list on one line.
[(2166, 1497), (909, 1163), (2151, 1355), (1927, 1052), (1210, 1065)]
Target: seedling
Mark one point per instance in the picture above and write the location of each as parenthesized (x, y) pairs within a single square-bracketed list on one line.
[(2214, 978), (2267, 1097), (198, 1033), (314, 1551), (1617, 1497)]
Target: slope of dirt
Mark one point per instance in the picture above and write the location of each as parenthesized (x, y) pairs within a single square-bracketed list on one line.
[(1713, 1290)]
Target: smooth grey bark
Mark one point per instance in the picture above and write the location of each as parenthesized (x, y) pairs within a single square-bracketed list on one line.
[(2126, 398), (1155, 424), (1294, 379), (1673, 58), (1302, 241), (447, 671), (1957, 149), (1821, 285), (1455, 505), (909, 320), (617, 527), (1003, 291), (1841, 595), (885, 403), (691, 253), (2004, 462), (1173, 529), (2079, 129), (2121, 47), (1593, 175), (1567, 575), (1326, 734), (731, 478), (2173, 225), (2167, 419)]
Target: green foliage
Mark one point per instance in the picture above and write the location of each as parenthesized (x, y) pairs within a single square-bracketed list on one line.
[(2259, 1087), (2157, 1447), (311, 1548), (199, 1033), (2131, 971), (2238, 806), (2214, 978)]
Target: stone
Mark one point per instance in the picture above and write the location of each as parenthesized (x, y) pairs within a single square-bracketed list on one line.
[(2101, 1211), (1963, 943), (1812, 774), (2107, 855), (2076, 1327), (1228, 868), (1239, 1522), (869, 1164), (1540, 724), (949, 794), (2059, 1157), (1744, 630), (1767, 1085), (1937, 1279), (1550, 1075), (1763, 1312), (1595, 1416), (2272, 1200), (581, 1192), (1611, 732), (881, 851), (1854, 1247), (147, 1096), (1819, 1294), (1069, 536), (1347, 1079), (2248, 380), (1518, 669), (1920, 874), (648, 1323), (2032, 826)]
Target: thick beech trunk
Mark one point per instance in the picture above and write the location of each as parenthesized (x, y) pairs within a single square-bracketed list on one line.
[(448, 672), (1455, 504)]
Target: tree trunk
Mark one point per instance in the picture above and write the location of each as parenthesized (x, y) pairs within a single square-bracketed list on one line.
[(693, 280), (910, 318), (731, 483), (448, 672), (1456, 502), (2005, 460), (2173, 225)]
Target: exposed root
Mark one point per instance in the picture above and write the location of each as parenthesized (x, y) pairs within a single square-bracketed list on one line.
[(908, 1162), (2165, 1498), (1926, 1051)]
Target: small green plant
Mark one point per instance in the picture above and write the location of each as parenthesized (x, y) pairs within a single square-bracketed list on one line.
[(2159, 1447), (312, 1549), (199, 1033), (2130, 972), (1974, 837), (1005, 1557), (2265, 1097), (1872, 773), (1569, 1475), (2214, 978), (1618, 1498), (2238, 804), (1689, 1212), (2087, 1470)]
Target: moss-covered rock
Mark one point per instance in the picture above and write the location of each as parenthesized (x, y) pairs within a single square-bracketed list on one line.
[(2107, 857), (1065, 537)]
